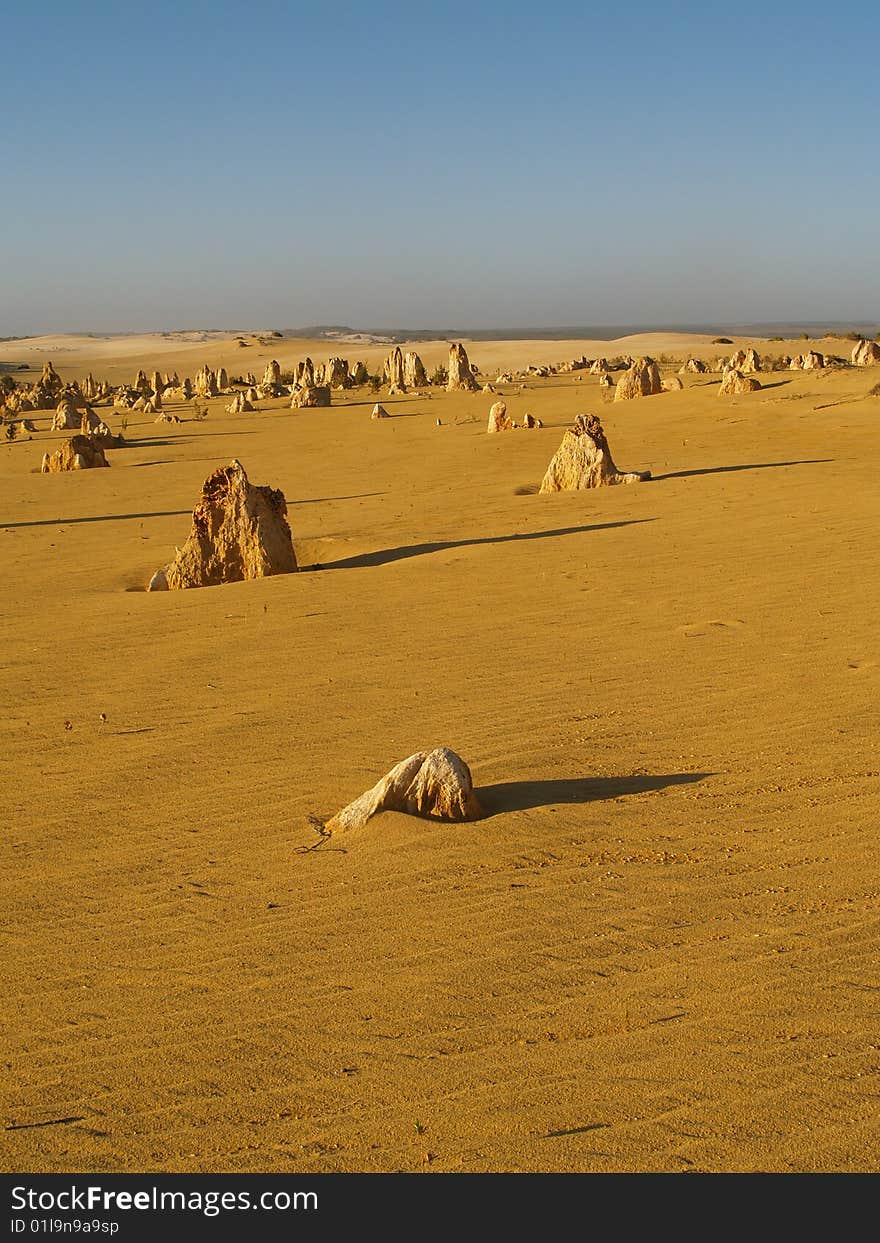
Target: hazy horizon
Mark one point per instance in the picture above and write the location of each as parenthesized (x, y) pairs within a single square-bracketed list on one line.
[(193, 165)]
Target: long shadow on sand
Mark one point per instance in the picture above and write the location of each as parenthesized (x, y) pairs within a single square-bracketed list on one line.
[(386, 555), (69, 522), (522, 795), (724, 470)]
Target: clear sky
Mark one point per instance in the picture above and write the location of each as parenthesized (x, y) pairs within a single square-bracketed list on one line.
[(482, 164)]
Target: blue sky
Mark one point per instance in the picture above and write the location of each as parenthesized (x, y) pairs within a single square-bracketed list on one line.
[(453, 165)]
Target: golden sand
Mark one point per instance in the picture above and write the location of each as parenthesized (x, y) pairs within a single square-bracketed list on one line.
[(659, 949)]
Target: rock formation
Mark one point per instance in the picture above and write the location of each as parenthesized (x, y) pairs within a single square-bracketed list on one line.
[(672, 385), (599, 367), (392, 370), (811, 361), (605, 381), (98, 432), (460, 375), (694, 366), (735, 382), (206, 383), (77, 453), (866, 354), (360, 375), (583, 460), (529, 421), (379, 412), (167, 417), (50, 380), (434, 784), (642, 379), (498, 420), (240, 404), (309, 396), (304, 375), (19, 430), (272, 374), (336, 373), (66, 416), (414, 375), (751, 362), (239, 531)]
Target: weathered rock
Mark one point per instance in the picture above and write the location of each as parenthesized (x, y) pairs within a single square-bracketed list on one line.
[(606, 381), (379, 412), (141, 383), (460, 375), (77, 453), (98, 432), (360, 374), (599, 367), (167, 416), (392, 370), (529, 421), (434, 784), (672, 385), (751, 362), (735, 382), (498, 420), (811, 361), (239, 531), (66, 416), (304, 376), (642, 379), (240, 405), (50, 380), (414, 375), (272, 374), (336, 373), (694, 366), (583, 460), (206, 382), (313, 395), (866, 354), (21, 429)]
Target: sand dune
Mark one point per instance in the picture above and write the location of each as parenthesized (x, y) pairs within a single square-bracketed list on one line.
[(657, 951)]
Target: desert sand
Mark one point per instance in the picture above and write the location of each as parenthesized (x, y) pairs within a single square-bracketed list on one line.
[(657, 950)]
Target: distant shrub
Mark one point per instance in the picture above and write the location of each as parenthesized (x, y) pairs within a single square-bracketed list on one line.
[(727, 340), (375, 383), (439, 375)]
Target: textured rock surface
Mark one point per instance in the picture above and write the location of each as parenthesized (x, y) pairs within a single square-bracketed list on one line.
[(309, 396), (459, 373), (642, 379), (498, 419), (866, 354), (434, 784), (392, 370), (414, 375), (672, 385), (379, 412), (583, 460), (240, 404), (735, 382), (78, 453), (239, 531)]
